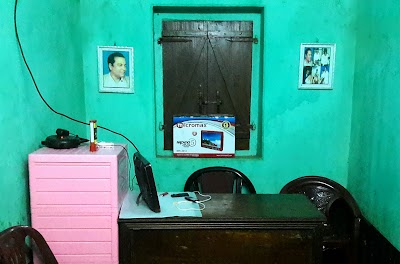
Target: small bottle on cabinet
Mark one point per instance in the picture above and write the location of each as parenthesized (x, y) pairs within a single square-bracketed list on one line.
[(93, 135)]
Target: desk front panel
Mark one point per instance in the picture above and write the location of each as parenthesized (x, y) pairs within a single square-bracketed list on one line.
[(217, 246)]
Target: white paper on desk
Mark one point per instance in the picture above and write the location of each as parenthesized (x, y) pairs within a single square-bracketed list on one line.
[(130, 209)]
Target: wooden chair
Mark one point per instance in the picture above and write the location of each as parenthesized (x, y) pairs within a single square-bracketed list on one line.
[(219, 180), (18, 244), (342, 232)]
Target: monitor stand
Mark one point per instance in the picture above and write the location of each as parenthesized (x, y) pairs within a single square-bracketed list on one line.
[(138, 198)]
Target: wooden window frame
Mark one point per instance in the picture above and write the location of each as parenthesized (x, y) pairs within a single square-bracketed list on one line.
[(256, 79)]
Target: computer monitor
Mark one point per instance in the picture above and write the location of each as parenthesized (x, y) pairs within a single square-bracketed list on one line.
[(145, 179)]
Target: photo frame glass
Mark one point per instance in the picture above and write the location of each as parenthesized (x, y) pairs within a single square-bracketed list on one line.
[(317, 65), (115, 69)]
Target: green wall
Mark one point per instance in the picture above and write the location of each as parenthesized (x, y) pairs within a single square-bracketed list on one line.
[(303, 132), (375, 146), (50, 35)]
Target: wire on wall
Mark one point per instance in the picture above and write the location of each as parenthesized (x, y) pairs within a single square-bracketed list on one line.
[(40, 94)]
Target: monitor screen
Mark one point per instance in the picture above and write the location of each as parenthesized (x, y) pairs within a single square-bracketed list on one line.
[(147, 186)]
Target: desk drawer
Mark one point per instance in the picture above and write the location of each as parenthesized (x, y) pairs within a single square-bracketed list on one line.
[(86, 259), (70, 170), (81, 234), (71, 198), (72, 185), (80, 248), (65, 222)]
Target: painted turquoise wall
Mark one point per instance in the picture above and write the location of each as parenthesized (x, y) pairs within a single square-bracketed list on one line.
[(374, 167), (303, 132), (50, 35)]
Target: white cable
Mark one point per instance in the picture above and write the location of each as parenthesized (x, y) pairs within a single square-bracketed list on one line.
[(203, 195), (201, 204)]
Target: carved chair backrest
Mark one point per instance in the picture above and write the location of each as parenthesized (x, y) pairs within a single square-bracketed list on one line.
[(322, 192), (18, 243), (219, 180)]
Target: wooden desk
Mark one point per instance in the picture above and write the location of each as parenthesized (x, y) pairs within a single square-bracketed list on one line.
[(235, 228)]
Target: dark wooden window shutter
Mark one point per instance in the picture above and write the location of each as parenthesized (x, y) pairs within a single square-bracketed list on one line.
[(207, 69)]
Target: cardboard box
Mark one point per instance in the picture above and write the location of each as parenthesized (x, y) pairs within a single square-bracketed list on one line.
[(204, 136)]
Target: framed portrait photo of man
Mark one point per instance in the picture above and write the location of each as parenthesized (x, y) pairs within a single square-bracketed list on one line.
[(115, 69), (317, 65)]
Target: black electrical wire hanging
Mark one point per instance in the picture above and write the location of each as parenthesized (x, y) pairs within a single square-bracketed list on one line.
[(40, 94)]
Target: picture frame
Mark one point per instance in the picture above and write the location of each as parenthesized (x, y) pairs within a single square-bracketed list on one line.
[(116, 77), (317, 66)]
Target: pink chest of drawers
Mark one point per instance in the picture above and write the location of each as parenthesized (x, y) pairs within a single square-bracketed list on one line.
[(75, 199)]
